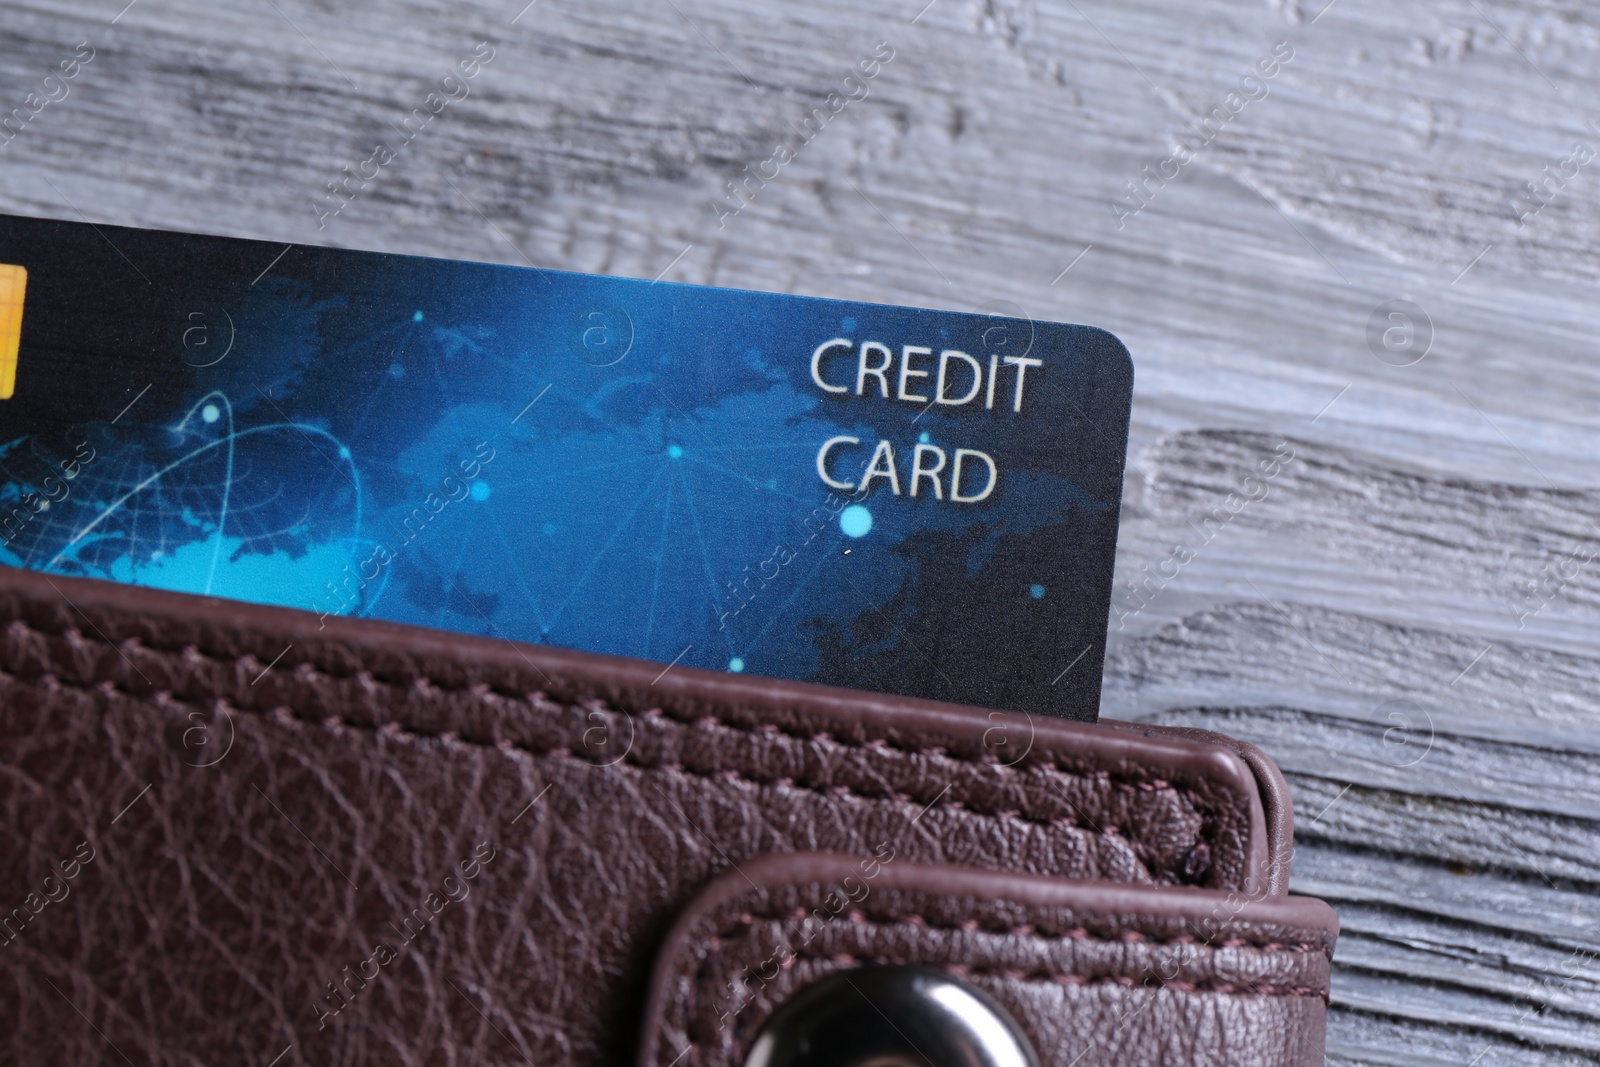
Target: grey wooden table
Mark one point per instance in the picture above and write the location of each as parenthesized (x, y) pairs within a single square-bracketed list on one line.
[(1361, 235)]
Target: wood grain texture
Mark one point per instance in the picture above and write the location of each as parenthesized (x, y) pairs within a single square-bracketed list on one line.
[(1405, 615)]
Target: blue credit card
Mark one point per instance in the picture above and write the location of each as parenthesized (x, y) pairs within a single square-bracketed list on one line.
[(907, 501)]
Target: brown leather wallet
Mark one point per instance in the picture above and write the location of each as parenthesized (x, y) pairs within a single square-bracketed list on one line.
[(236, 834)]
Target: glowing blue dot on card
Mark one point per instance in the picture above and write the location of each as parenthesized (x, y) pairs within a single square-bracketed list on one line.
[(416, 317), (855, 521), (396, 371), (736, 664), (675, 451), (923, 437), (480, 491), (211, 413), (344, 453), (1036, 591), (549, 529), (847, 324)]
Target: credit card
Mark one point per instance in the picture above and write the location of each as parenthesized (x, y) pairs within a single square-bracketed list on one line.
[(905, 501)]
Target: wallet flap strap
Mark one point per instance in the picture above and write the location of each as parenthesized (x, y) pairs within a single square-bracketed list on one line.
[(1093, 973)]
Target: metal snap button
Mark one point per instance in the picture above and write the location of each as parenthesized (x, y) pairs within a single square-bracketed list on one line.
[(891, 1017)]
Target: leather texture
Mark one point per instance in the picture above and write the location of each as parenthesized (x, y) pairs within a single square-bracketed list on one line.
[(238, 834), (1096, 973)]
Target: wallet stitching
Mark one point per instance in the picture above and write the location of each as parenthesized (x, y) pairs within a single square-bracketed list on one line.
[(1071, 824), (1055, 976), (740, 927), (1150, 782), (479, 688), (1047, 976)]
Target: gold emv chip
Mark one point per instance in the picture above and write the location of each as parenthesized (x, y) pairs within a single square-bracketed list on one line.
[(13, 283)]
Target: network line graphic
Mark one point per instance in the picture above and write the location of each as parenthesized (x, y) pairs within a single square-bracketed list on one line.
[(460, 447), (611, 520)]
